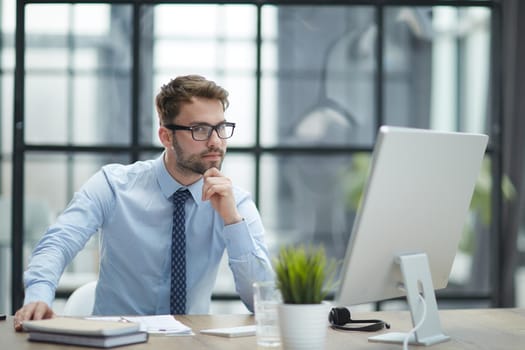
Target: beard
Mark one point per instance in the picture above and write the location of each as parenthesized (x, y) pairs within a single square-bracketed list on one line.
[(193, 163)]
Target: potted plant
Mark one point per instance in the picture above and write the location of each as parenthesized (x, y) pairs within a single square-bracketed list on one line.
[(303, 275)]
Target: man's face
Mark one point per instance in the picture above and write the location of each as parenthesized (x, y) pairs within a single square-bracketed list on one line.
[(198, 156)]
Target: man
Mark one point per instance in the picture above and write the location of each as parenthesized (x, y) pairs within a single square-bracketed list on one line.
[(133, 207)]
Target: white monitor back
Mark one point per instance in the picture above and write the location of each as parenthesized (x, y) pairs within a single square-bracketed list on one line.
[(416, 201)]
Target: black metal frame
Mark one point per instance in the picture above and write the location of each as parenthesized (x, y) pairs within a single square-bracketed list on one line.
[(134, 149)]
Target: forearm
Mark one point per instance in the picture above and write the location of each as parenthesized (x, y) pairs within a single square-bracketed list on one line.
[(58, 246), (47, 263), (248, 259)]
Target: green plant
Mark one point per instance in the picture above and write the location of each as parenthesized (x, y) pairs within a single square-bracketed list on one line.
[(481, 204), (304, 274)]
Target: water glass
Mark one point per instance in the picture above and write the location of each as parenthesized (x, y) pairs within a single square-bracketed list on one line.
[(266, 298)]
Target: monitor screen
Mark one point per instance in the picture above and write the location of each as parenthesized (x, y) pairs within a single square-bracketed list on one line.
[(416, 200)]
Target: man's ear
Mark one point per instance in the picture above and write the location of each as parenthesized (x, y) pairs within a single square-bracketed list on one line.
[(165, 137)]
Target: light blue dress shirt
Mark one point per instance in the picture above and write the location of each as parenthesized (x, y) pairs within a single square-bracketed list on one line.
[(131, 206)]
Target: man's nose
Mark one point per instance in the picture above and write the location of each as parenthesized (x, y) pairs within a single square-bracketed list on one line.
[(214, 138)]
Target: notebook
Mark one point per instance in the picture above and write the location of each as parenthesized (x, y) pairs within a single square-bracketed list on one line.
[(78, 331)]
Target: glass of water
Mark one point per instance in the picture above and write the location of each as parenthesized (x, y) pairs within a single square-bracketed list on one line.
[(266, 297)]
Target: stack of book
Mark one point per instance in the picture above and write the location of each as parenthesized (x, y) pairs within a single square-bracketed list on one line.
[(85, 332)]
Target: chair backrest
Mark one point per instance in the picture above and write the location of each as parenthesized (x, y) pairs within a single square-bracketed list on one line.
[(81, 301)]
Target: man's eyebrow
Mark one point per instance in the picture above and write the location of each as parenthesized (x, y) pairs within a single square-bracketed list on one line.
[(205, 123)]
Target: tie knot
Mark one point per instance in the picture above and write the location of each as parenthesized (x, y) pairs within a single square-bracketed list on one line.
[(181, 195)]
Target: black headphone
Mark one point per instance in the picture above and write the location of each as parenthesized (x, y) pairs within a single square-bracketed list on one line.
[(340, 316)]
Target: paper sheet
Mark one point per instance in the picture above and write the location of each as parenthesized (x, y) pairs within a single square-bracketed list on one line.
[(154, 325)]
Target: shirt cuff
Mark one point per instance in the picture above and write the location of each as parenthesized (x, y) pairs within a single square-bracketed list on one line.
[(39, 292), (239, 242)]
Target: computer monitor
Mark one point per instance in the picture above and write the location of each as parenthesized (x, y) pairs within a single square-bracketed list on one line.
[(409, 223)]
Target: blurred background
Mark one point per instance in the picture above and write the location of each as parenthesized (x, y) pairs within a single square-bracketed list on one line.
[(310, 82)]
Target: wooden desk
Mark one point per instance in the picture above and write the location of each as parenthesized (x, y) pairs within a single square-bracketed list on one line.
[(469, 329)]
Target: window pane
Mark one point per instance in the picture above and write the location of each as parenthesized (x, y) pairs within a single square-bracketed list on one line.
[(311, 199), (321, 88), (48, 18), (78, 83), (6, 113), (186, 20), (437, 67), (216, 41), (8, 16), (62, 175), (7, 59), (240, 168), (45, 108), (5, 233)]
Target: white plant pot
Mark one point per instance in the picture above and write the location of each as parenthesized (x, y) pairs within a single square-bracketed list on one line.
[(303, 326)]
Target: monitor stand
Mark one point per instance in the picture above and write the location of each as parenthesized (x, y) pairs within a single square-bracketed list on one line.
[(417, 281)]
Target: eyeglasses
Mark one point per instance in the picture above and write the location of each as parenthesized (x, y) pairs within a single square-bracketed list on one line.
[(202, 132)]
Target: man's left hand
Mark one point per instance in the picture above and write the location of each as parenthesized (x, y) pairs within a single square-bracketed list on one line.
[(218, 190)]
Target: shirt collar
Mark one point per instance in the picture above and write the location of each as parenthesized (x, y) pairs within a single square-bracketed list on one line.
[(168, 185)]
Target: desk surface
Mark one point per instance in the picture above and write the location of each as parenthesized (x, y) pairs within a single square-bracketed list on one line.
[(469, 329)]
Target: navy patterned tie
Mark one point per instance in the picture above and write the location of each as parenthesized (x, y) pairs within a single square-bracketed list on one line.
[(178, 255)]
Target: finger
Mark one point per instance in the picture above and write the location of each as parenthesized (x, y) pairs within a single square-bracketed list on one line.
[(18, 326), (23, 314), (211, 172), (208, 176), (210, 182), (219, 186), (220, 189), (17, 322), (42, 310)]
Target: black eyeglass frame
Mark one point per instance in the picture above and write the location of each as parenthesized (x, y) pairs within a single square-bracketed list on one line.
[(174, 127)]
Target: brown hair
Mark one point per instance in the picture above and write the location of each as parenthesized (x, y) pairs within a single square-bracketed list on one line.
[(181, 90)]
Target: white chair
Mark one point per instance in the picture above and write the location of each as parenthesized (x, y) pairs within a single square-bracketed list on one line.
[(81, 301)]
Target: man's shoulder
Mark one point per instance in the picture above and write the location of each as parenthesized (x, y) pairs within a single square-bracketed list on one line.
[(138, 166), (126, 173)]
